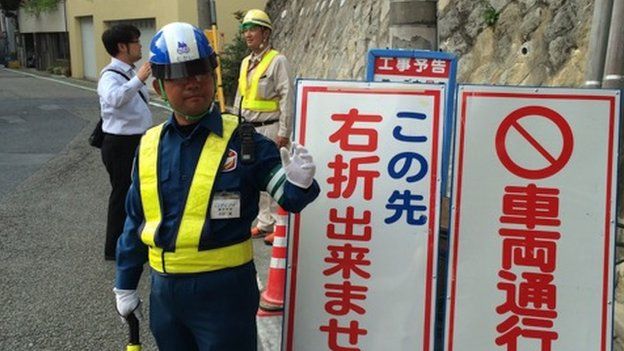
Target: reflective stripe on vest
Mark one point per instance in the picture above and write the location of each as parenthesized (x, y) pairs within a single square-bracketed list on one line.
[(186, 257), (251, 100)]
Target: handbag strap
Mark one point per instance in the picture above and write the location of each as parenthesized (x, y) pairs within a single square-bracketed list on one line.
[(128, 79)]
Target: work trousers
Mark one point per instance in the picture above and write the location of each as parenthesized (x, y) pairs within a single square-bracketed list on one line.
[(267, 207), (213, 311), (117, 155)]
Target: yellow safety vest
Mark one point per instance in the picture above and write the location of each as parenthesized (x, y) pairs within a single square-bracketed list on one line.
[(186, 256), (251, 101)]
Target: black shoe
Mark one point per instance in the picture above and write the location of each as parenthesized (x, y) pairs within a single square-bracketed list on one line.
[(109, 258)]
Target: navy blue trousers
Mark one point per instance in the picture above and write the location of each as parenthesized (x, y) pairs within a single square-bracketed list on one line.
[(205, 312)]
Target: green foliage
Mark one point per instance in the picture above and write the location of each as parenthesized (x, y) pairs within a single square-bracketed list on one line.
[(239, 15), (39, 6), (490, 15), (9, 5), (233, 54)]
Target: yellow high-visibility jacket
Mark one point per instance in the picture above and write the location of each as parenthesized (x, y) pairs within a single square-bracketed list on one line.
[(186, 258), (249, 92)]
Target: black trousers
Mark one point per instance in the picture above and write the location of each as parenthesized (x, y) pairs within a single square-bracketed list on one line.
[(117, 154)]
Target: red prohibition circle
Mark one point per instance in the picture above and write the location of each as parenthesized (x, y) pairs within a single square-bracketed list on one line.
[(556, 163)]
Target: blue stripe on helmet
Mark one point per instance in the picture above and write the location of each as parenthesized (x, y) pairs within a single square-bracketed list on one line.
[(203, 46), (158, 50)]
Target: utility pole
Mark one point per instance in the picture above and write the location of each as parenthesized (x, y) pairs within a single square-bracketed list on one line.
[(207, 10), (598, 43), (413, 24), (203, 9)]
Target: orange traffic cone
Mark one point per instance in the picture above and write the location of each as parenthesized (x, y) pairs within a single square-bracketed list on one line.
[(272, 299)]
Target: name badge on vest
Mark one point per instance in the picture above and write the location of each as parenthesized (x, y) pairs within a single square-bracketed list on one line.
[(225, 205)]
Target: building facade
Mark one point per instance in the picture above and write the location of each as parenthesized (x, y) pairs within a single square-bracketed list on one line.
[(88, 19), (44, 42)]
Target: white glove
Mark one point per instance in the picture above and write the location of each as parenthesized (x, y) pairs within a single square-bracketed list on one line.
[(127, 302), (299, 166)]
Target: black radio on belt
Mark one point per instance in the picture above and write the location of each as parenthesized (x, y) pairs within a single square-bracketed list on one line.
[(246, 131), (248, 153)]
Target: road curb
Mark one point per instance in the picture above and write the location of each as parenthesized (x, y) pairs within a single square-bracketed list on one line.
[(270, 332)]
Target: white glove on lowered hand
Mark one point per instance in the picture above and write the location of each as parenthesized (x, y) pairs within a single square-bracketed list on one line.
[(298, 165), (127, 302)]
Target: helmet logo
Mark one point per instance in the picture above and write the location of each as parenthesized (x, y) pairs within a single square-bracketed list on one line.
[(183, 48)]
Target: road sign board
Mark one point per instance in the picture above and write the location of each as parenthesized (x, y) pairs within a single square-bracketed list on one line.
[(533, 222), (362, 260)]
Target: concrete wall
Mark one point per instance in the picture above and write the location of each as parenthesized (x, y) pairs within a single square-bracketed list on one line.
[(533, 42), (53, 21), (102, 11), (330, 38)]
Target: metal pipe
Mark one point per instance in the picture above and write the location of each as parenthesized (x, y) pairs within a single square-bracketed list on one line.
[(614, 62), (614, 79), (598, 43)]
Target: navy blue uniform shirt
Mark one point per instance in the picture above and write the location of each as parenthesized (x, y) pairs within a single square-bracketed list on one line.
[(177, 159)]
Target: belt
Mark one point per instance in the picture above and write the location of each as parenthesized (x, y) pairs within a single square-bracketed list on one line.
[(123, 135), (265, 123)]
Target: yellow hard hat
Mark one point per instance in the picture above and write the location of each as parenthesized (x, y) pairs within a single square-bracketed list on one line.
[(256, 17)]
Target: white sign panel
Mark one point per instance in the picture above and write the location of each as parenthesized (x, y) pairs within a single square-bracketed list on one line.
[(532, 228), (362, 260), (419, 66)]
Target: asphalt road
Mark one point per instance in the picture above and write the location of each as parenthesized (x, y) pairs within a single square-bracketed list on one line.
[(56, 286)]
